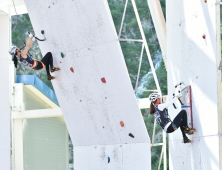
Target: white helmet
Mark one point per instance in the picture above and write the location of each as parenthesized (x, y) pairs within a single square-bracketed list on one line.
[(12, 50), (153, 97)]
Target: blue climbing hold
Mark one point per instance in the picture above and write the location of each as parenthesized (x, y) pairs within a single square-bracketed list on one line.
[(184, 106), (108, 159)]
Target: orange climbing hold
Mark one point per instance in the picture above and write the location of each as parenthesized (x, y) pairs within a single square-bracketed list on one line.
[(205, 1), (103, 80), (121, 123), (72, 70)]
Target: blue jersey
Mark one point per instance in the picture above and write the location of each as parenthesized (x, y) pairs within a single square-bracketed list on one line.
[(161, 117)]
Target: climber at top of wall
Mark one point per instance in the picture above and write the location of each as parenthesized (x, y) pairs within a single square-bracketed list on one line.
[(27, 60), (160, 113)]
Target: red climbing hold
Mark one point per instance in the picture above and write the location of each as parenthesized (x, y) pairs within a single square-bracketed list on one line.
[(121, 123), (204, 36), (103, 80), (72, 70), (205, 1)]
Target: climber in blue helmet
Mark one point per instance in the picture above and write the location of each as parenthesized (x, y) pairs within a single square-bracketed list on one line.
[(27, 60), (162, 117)]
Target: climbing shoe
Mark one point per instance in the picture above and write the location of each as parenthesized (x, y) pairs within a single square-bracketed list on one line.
[(54, 69), (50, 77), (186, 140), (188, 130)]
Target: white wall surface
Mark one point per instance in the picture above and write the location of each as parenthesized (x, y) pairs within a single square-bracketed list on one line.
[(85, 32), (193, 60), (122, 157), (4, 94)]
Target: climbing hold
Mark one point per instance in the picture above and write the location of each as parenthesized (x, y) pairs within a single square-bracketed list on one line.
[(60, 62), (71, 69), (103, 80), (62, 55), (205, 1), (204, 36), (121, 123), (131, 135), (42, 31), (108, 159)]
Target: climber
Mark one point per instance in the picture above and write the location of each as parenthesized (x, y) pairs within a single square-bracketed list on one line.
[(160, 113), (27, 60)]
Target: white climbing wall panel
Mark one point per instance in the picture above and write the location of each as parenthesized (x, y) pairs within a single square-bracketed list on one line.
[(85, 32), (193, 59), (122, 157), (5, 151)]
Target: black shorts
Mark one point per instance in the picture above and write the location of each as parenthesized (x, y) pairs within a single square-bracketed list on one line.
[(39, 66)]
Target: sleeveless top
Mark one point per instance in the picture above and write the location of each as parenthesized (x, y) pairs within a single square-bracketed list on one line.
[(161, 117), (29, 61)]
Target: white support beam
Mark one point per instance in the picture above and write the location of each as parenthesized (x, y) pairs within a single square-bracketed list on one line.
[(124, 13), (143, 103), (146, 46), (134, 40), (157, 144), (17, 131), (17, 144), (17, 98), (8, 7), (138, 73), (147, 90), (5, 148), (160, 25), (154, 127), (37, 113), (42, 96), (161, 155)]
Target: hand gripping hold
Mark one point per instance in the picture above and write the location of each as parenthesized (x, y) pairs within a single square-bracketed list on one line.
[(179, 93), (37, 37)]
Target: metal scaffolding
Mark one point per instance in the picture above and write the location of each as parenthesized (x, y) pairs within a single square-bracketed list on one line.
[(145, 45)]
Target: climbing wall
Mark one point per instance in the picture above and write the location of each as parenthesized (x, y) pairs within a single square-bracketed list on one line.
[(5, 147), (93, 87), (192, 58)]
